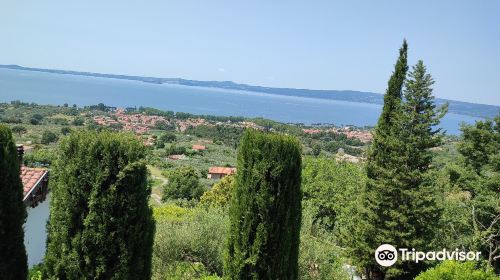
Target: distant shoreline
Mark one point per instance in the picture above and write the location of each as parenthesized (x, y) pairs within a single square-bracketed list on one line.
[(457, 107)]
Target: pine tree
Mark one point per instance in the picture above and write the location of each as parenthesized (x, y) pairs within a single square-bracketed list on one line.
[(265, 211), (419, 133), (100, 225), (13, 259)]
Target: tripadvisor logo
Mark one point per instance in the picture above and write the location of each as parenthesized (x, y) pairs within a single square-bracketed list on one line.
[(387, 255)]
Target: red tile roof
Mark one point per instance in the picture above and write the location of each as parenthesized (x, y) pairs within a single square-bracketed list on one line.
[(30, 177), (199, 147), (222, 170)]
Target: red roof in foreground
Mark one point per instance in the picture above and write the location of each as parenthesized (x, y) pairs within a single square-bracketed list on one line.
[(222, 170), (30, 177)]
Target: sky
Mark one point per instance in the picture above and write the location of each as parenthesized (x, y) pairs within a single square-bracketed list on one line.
[(343, 45)]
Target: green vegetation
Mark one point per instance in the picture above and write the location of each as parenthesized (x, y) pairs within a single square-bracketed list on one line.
[(418, 189), (265, 215), (452, 270), (183, 183), (220, 194), (13, 260), (100, 225)]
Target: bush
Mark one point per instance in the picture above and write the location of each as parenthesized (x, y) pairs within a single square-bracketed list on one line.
[(42, 156), (319, 254), (34, 121), (65, 130), (189, 243), (220, 194), (78, 121), (183, 183), (19, 129), (453, 270), (48, 137)]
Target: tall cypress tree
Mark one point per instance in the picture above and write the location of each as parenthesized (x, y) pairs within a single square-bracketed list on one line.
[(13, 260), (100, 225), (381, 217), (265, 212)]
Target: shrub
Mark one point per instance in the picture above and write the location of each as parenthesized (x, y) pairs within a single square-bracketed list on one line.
[(220, 194), (189, 243), (183, 183), (453, 270), (48, 137)]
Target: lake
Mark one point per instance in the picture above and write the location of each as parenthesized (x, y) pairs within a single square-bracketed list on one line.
[(57, 89)]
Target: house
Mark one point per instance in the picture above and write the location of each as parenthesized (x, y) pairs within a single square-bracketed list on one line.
[(199, 147), (216, 172), (35, 182)]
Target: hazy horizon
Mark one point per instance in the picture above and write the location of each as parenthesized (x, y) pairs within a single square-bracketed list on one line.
[(289, 44)]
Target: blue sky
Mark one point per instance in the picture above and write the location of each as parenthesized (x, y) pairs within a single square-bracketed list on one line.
[(304, 44)]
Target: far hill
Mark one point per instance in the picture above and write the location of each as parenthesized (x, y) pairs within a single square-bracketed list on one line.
[(457, 107)]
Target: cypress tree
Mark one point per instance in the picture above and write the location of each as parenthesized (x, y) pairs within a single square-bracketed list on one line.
[(381, 218), (399, 201), (13, 260), (265, 211), (100, 225)]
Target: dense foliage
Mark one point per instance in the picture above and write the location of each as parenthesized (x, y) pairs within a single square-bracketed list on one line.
[(265, 215), (183, 183), (220, 194), (100, 225), (189, 243), (452, 270), (399, 200), (13, 260)]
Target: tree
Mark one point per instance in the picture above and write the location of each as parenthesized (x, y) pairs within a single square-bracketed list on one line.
[(220, 194), (13, 259), (34, 121), (480, 149), (100, 225), (383, 204), (399, 200), (48, 137), (265, 211), (19, 129), (65, 130), (417, 190), (183, 183), (78, 121)]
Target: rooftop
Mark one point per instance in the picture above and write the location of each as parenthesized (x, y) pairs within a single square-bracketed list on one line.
[(222, 170), (31, 177)]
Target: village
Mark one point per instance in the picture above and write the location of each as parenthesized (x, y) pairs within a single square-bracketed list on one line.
[(207, 144)]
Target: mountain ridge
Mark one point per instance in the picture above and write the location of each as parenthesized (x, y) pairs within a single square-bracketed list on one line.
[(457, 107)]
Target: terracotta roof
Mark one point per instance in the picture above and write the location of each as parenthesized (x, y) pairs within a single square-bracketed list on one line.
[(222, 170), (30, 177), (199, 147)]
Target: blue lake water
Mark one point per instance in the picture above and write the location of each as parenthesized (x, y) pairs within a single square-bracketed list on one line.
[(47, 88)]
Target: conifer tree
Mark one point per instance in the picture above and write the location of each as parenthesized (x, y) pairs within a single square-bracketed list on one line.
[(399, 202), (265, 211), (380, 217), (100, 225), (13, 259)]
